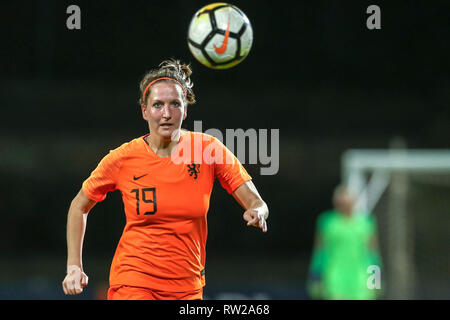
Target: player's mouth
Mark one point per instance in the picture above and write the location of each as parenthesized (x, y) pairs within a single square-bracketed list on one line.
[(166, 125)]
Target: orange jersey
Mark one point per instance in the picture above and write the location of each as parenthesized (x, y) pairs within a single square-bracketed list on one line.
[(166, 201)]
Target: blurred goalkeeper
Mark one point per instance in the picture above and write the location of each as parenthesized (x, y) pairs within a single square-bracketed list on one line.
[(345, 247)]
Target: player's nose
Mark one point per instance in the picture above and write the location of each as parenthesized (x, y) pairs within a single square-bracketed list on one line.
[(166, 111)]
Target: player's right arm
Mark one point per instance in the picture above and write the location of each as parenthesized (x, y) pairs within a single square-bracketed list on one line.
[(76, 279), (94, 189)]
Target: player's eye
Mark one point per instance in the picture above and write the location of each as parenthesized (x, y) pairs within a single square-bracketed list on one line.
[(176, 104), (157, 104)]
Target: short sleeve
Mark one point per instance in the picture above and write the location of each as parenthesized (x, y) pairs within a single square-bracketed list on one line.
[(323, 221), (104, 178), (228, 169)]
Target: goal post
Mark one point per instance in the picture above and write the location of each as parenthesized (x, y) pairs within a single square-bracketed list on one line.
[(408, 191)]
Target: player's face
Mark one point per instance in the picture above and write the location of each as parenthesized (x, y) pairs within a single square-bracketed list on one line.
[(165, 109), (345, 202)]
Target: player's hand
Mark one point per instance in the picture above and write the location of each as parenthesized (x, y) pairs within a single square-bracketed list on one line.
[(256, 218), (75, 280)]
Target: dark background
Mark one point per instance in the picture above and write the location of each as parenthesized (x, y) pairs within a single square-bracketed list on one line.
[(315, 72)]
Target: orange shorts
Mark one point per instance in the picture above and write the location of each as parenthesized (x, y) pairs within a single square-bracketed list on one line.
[(138, 293)]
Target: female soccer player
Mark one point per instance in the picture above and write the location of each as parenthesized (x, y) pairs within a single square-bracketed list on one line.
[(165, 178)]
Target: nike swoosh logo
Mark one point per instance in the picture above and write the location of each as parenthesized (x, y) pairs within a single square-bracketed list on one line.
[(223, 47), (137, 178)]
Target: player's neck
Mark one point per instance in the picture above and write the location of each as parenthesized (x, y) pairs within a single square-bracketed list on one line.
[(160, 146), (345, 212)]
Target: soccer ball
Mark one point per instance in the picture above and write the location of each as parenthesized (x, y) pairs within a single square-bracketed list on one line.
[(220, 35)]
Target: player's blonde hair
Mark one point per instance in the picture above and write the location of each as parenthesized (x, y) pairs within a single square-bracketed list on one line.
[(169, 69)]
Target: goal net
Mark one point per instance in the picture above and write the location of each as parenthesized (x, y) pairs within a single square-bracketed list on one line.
[(408, 191)]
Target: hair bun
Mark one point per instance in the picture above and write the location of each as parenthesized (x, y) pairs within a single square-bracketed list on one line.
[(171, 68)]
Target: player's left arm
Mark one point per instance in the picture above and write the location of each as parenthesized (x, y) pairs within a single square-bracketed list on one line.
[(256, 210)]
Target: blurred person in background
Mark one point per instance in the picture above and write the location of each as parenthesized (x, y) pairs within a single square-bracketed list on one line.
[(345, 246), (161, 254)]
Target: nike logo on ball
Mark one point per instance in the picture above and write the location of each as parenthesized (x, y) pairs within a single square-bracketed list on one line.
[(223, 47)]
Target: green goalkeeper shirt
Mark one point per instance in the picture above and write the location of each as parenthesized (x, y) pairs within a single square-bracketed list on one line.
[(345, 254)]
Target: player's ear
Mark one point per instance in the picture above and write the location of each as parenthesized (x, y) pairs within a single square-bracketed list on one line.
[(143, 109), (185, 111)]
